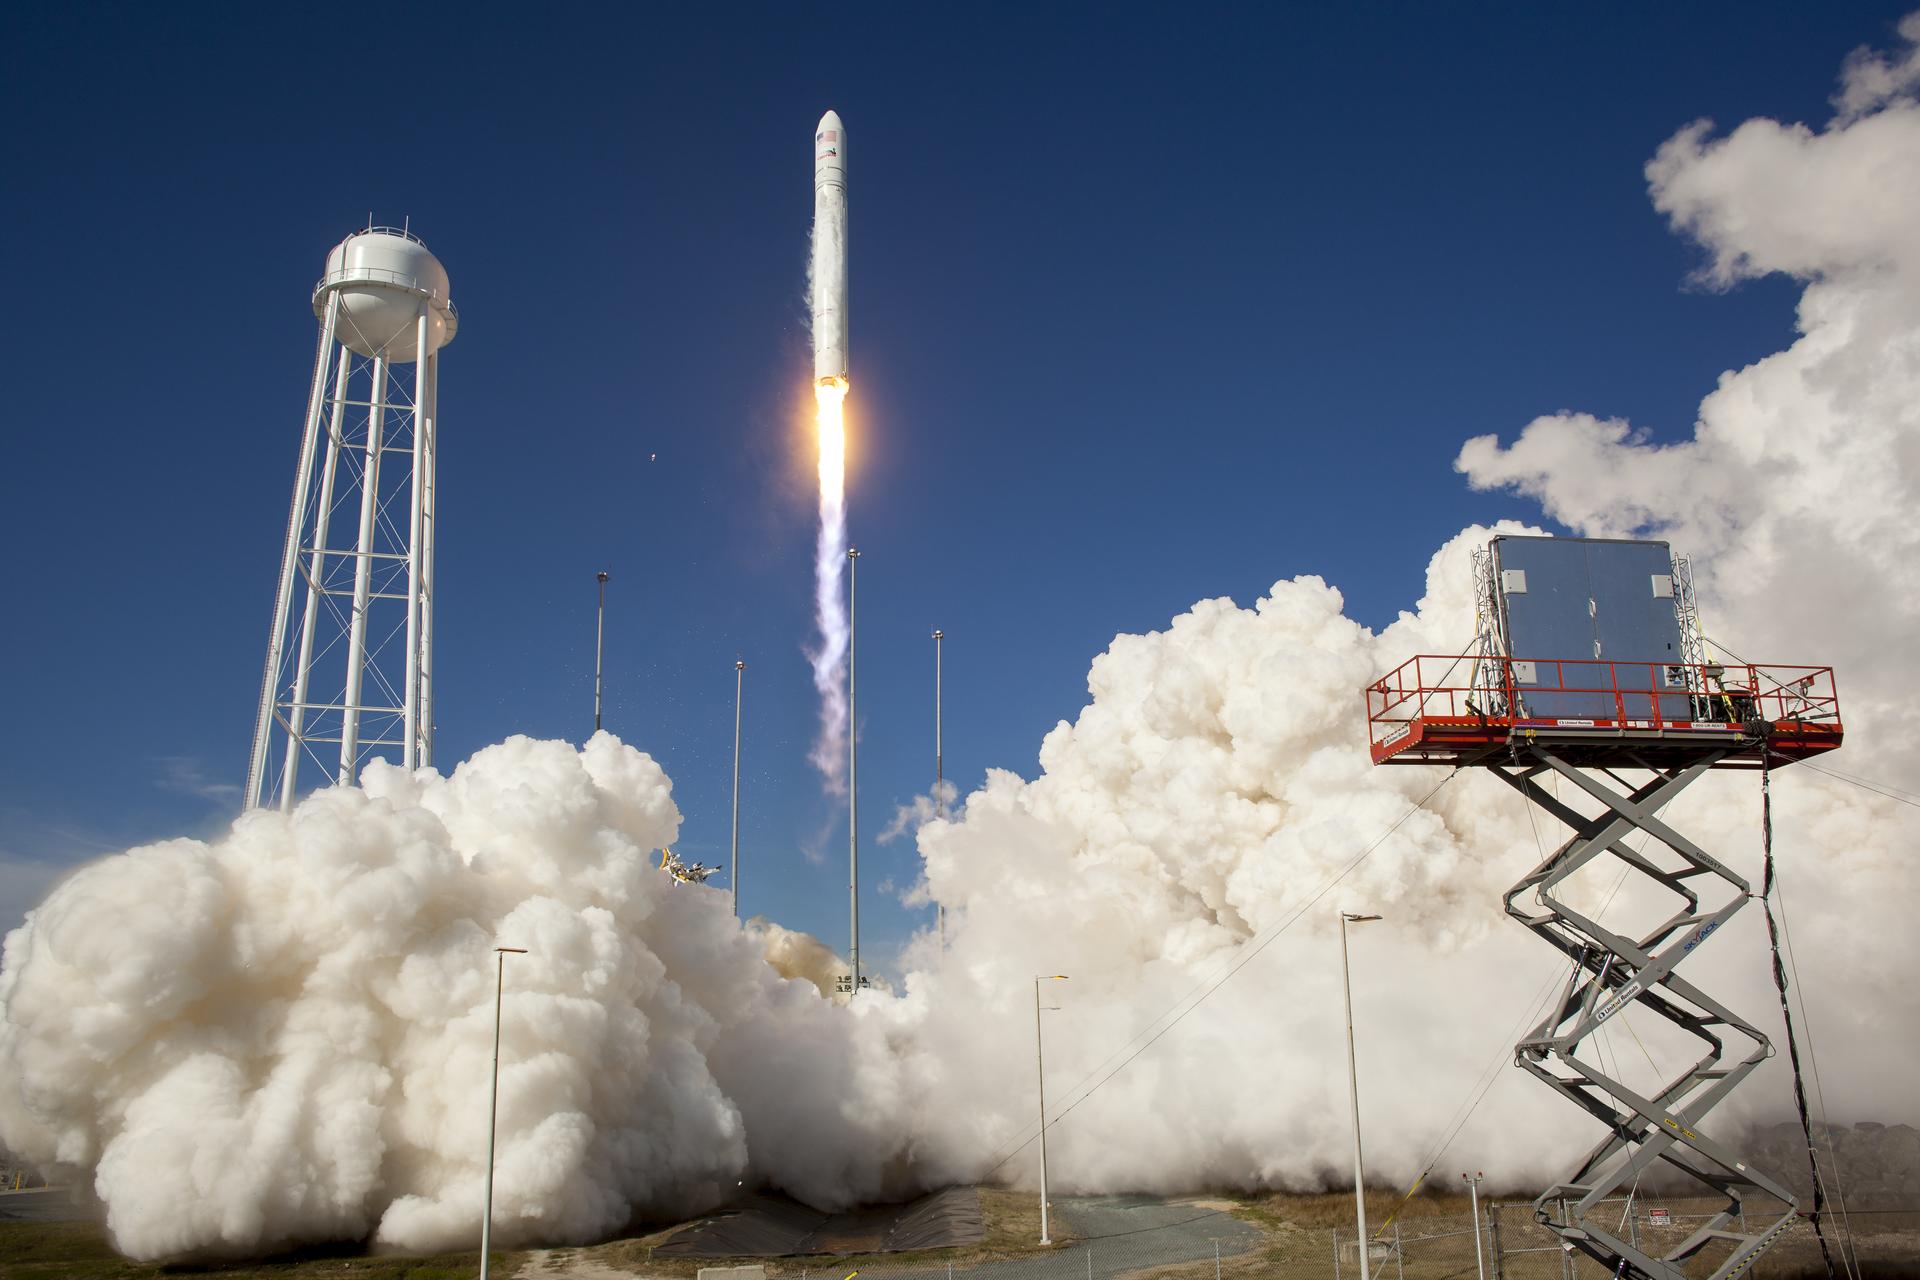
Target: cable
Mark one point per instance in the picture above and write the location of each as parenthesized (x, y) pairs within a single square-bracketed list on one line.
[(1850, 1251), (1786, 1008), (1879, 789), (1206, 987)]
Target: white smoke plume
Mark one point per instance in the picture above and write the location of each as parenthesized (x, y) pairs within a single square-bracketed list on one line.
[(829, 656), (283, 1035)]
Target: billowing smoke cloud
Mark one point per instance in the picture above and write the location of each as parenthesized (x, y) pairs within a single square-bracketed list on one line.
[(284, 1035)]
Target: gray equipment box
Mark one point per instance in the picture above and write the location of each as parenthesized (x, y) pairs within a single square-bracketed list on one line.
[(1583, 618)]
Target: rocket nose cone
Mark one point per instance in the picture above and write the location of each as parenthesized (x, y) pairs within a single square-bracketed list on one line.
[(831, 120)]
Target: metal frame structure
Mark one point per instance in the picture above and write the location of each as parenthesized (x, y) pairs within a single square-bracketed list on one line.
[(359, 549), (1472, 710)]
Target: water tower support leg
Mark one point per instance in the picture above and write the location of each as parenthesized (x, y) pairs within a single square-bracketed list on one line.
[(256, 793), (428, 491), (316, 590), (410, 689)]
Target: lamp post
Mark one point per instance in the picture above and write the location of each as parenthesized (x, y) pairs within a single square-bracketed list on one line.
[(1040, 1059), (599, 646), (1473, 1188), (739, 684), (1353, 1087), (939, 765), (853, 778), (493, 1100)]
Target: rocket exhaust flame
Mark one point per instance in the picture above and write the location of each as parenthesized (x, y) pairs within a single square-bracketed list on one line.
[(829, 660)]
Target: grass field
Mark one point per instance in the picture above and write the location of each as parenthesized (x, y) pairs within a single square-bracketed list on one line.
[(1293, 1240), (79, 1251)]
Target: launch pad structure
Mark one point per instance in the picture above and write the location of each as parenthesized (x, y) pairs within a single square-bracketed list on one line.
[(1623, 686)]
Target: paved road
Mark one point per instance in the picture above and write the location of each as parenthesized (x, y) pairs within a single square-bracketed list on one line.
[(1118, 1235), (1125, 1233), (43, 1204)]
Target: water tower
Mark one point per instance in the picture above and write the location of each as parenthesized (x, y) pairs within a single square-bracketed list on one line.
[(349, 673)]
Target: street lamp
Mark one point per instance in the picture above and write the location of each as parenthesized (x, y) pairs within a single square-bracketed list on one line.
[(733, 880), (1473, 1187), (939, 766), (599, 645), (1040, 1059), (493, 1103), (853, 774), (1353, 1087)]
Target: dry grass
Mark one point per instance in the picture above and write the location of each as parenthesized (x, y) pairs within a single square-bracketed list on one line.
[(1012, 1220), (79, 1251), (1296, 1245)]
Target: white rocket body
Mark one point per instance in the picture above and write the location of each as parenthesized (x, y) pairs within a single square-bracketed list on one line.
[(830, 250)]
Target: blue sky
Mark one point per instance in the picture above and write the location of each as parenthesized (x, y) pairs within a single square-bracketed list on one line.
[(1148, 305)]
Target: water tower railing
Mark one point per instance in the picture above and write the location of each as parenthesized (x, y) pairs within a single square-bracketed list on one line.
[(379, 275)]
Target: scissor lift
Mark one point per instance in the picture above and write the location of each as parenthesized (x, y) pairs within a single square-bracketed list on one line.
[(1672, 722)]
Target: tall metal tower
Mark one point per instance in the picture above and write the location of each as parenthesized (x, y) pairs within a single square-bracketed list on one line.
[(349, 673), (1586, 672)]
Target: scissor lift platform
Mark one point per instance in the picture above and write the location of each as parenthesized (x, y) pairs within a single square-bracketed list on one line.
[(1589, 722), (1463, 710)]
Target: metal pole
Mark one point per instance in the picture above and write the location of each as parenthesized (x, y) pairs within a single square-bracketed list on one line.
[(1216, 1260), (1399, 1255), (493, 1100), (599, 646), (256, 795), (853, 780), (1336, 1253), (939, 766), (1040, 1062), (1479, 1260), (1353, 1089), (363, 577), (739, 684)]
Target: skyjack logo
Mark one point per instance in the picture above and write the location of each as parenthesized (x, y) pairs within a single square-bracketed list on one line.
[(1699, 937)]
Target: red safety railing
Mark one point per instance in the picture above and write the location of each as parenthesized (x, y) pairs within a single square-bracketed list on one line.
[(1456, 690)]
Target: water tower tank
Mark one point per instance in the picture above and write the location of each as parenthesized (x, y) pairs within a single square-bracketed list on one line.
[(382, 276)]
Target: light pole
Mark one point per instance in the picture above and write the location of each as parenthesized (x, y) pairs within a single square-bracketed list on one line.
[(939, 765), (1040, 1059), (1473, 1188), (1353, 1086), (599, 646), (853, 779), (493, 1100), (739, 684)]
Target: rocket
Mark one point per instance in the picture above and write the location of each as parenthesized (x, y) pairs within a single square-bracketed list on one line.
[(830, 251)]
